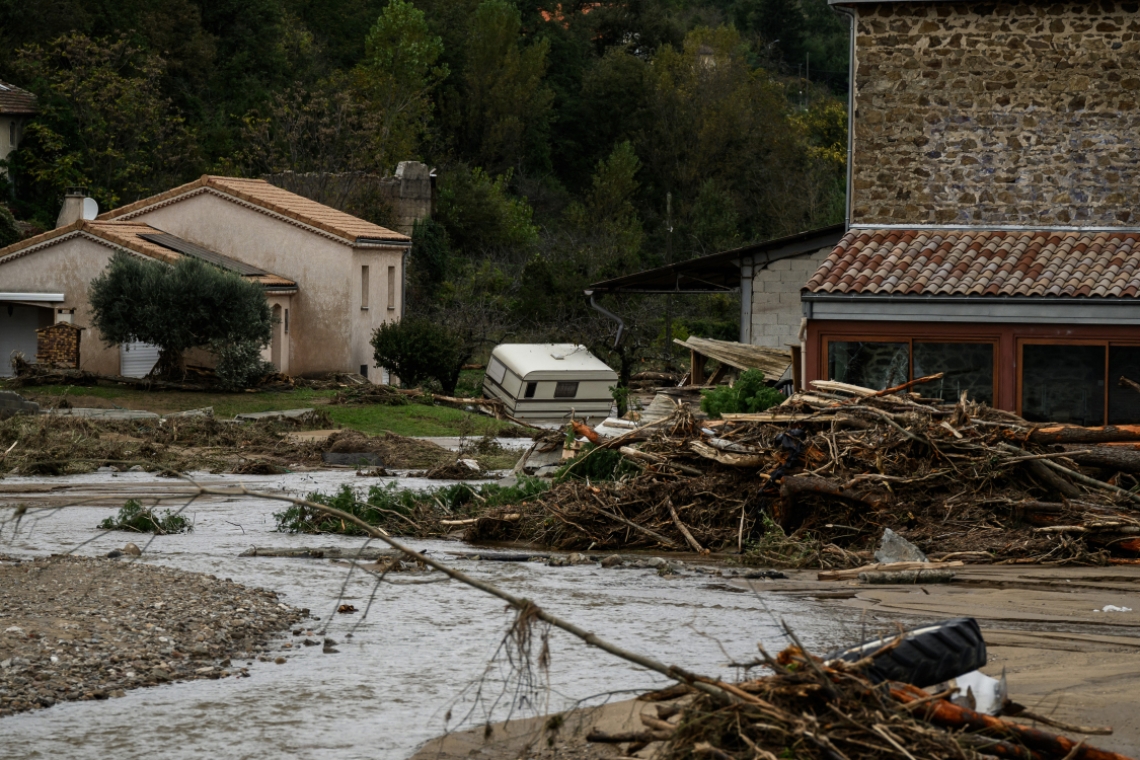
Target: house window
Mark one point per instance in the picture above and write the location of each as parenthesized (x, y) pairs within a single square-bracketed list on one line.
[(391, 288), (565, 390), (286, 321), (887, 362), (1079, 382), (530, 389), (364, 287)]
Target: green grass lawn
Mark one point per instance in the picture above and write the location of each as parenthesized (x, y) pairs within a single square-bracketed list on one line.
[(410, 419)]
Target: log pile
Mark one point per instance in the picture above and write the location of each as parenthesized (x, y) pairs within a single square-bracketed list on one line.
[(812, 710), (814, 482)]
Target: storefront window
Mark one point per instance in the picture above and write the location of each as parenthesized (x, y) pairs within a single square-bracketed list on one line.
[(869, 364), (965, 367), (1123, 402), (1062, 383)]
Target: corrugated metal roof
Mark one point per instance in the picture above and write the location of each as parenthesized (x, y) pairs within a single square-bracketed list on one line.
[(14, 100), (981, 262)]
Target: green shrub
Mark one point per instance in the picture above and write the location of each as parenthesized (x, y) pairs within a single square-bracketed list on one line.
[(593, 463), (748, 395), (136, 518), (418, 349), (402, 510), (240, 364)]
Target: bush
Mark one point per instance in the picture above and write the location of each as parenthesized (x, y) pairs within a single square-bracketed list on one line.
[(401, 510), (418, 349), (239, 364), (748, 395), (593, 463), (136, 518), (9, 232)]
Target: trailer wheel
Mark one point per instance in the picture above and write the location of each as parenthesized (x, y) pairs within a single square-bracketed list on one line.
[(927, 656)]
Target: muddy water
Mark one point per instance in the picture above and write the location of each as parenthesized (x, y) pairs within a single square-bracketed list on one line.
[(424, 649)]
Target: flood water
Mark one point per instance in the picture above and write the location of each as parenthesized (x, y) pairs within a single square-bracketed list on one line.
[(423, 650)]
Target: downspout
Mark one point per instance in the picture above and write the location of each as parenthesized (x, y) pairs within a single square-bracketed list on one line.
[(851, 14), (611, 315)]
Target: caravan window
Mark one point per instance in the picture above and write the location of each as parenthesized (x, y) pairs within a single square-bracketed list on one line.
[(566, 390), (496, 370), (530, 388)]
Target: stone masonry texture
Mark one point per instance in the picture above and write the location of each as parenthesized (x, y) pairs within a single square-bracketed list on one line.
[(997, 113), (58, 345)]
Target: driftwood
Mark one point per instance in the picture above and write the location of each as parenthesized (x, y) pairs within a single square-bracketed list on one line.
[(907, 577), (1070, 434), (1111, 458), (887, 567)]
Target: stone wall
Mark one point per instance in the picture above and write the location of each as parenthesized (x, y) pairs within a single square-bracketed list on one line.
[(776, 308), (997, 113)]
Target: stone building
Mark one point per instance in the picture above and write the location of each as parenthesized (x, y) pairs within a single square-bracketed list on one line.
[(993, 208), (16, 108)]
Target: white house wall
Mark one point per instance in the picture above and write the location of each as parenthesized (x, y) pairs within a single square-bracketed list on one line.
[(328, 329), (776, 310)]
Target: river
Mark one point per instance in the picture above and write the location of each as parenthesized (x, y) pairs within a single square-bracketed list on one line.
[(424, 650)]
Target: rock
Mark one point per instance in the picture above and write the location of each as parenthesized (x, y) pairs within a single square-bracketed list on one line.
[(12, 404), (132, 550), (546, 471), (280, 661), (136, 468), (895, 548), (655, 562), (114, 554), (614, 560)]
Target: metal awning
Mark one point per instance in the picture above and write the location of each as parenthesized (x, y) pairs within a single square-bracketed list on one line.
[(32, 297), (719, 272)]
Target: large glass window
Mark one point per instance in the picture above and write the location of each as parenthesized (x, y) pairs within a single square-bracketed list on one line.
[(1123, 401), (964, 366), (870, 364), (1063, 383)]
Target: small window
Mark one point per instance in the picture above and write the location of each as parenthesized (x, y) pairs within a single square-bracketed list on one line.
[(12, 133), (364, 287), (565, 390), (286, 321), (496, 370), (530, 389), (391, 288)]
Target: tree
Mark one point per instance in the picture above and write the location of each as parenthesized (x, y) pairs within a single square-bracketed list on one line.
[(418, 349), (506, 107), (103, 124), (395, 80), (190, 304), (9, 232)]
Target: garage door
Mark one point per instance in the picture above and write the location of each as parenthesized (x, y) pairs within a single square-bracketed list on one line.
[(17, 333), (137, 359)]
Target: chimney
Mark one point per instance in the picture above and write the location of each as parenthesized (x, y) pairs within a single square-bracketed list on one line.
[(72, 210)]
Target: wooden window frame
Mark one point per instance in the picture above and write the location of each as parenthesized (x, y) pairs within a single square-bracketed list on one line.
[(992, 341), (1105, 342)]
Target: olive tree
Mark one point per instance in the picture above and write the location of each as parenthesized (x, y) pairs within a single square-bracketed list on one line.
[(180, 306)]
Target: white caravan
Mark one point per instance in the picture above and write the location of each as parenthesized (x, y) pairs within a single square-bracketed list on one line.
[(549, 380)]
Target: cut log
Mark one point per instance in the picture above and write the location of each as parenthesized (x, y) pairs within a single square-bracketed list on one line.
[(1074, 434), (887, 567), (731, 458), (1110, 458)]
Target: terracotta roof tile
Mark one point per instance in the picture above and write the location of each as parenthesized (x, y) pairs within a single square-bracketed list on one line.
[(13, 100), (279, 201), (982, 263)]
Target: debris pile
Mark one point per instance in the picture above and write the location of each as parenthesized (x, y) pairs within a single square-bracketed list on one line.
[(810, 708), (816, 480)]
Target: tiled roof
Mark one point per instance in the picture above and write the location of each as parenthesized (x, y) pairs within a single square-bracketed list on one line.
[(262, 194), (140, 238), (982, 263), (13, 100)]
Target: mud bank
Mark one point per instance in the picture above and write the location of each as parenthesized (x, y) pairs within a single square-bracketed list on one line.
[(75, 628)]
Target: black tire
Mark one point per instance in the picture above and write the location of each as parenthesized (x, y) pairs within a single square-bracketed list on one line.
[(927, 656)]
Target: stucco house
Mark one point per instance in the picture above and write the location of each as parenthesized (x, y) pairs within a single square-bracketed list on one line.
[(16, 107), (331, 278)]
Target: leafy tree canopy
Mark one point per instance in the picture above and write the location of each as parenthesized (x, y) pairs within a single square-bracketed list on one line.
[(190, 304)]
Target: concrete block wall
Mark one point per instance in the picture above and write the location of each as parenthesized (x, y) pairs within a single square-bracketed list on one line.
[(776, 307)]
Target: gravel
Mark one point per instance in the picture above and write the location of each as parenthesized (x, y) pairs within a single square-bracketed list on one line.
[(91, 628)]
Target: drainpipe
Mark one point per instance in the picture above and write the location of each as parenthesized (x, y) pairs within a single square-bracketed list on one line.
[(851, 14), (611, 315)]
